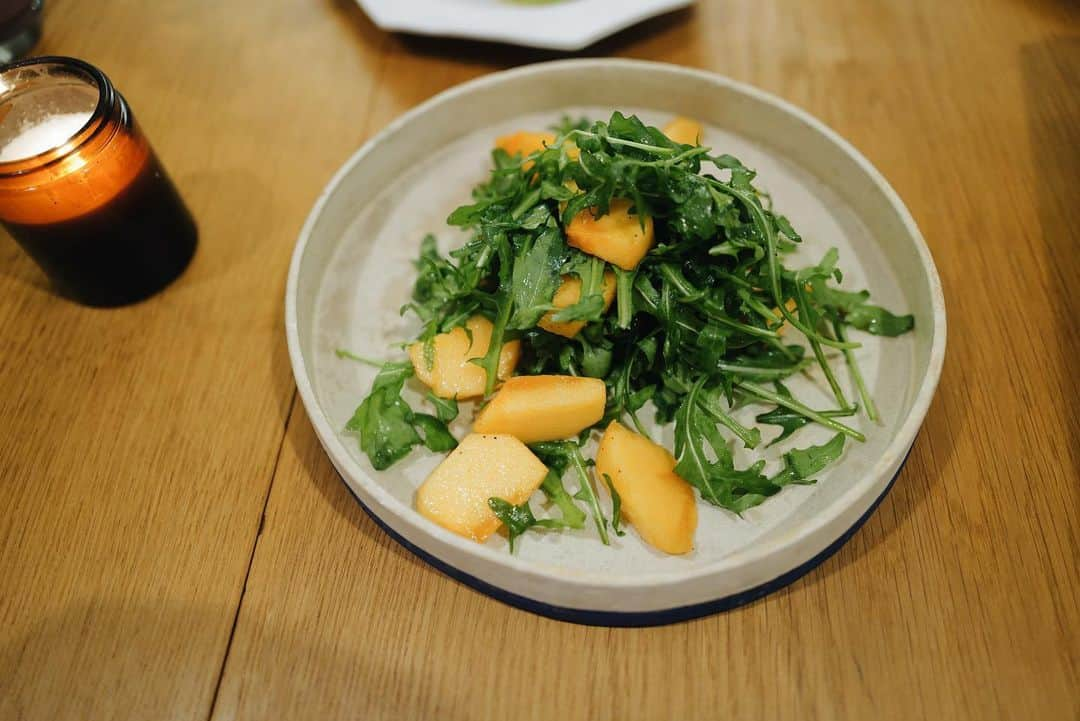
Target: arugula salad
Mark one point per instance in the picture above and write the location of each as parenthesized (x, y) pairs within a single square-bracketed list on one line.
[(614, 270)]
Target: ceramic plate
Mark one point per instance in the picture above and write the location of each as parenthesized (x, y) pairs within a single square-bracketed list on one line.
[(562, 25), (352, 271)]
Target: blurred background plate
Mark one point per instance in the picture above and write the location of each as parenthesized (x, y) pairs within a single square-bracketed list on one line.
[(553, 24)]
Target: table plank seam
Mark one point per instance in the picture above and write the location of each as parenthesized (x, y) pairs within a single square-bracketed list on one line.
[(366, 128), (251, 556)]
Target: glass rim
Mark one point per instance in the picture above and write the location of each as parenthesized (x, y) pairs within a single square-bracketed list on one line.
[(87, 132)]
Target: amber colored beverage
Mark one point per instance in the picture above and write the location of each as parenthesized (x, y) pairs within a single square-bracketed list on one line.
[(98, 212)]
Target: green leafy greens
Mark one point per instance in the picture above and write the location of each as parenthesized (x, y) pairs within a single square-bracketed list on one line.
[(520, 518), (697, 329), (389, 428)]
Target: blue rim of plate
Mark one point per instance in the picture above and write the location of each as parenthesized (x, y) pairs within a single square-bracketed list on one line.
[(635, 618)]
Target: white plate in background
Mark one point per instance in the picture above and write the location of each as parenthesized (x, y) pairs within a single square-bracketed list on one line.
[(564, 25), (351, 271)]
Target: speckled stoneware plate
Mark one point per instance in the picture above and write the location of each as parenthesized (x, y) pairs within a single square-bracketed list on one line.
[(352, 271), (553, 24)]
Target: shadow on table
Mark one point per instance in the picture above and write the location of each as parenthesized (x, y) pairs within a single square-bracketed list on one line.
[(102, 659), (505, 55), (1051, 77), (333, 488), (1055, 10), (157, 659), (931, 458)]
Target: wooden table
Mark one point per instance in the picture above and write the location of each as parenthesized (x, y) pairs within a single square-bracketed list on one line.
[(175, 545)]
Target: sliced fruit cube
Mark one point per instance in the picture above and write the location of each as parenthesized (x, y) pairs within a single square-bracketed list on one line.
[(655, 500), (456, 494), (451, 374), (544, 408), (618, 237)]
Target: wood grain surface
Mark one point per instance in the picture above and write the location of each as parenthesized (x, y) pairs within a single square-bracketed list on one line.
[(175, 545)]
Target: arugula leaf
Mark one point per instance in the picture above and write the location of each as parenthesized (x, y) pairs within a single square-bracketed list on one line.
[(446, 409), (710, 403), (855, 309), (719, 482), (783, 225), (800, 408), (568, 124), (388, 427), (822, 271), (622, 127), (801, 464), (788, 420), (437, 436), (536, 277), (518, 519), (879, 321), (807, 462)]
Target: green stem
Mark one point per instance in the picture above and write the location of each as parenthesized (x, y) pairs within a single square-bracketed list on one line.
[(778, 344), (691, 453), (590, 493), (685, 155), (637, 424), (803, 410), (716, 314), (457, 320), (490, 361), (678, 280), (741, 282), (856, 374), (760, 372), (483, 257), (594, 283), (624, 295), (527, 202), (805, 309), (627, 143), (349, 355), (666, 163)]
